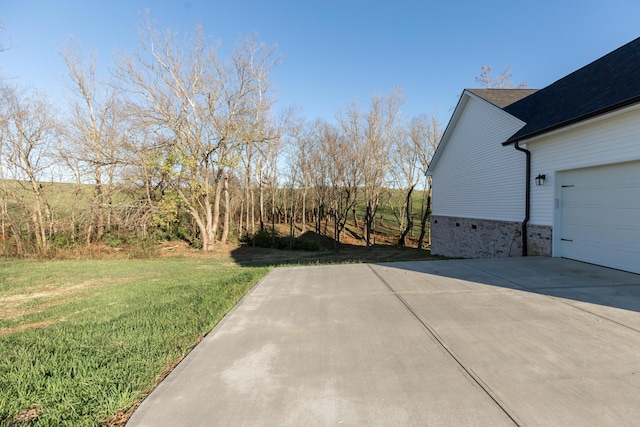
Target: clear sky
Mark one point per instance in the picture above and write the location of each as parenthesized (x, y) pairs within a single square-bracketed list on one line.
[(333, 52)]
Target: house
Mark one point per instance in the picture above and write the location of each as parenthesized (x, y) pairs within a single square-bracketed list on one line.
[(552, 172)]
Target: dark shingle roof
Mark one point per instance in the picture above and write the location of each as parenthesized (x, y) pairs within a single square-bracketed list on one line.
[(606, 84), (502, 98)]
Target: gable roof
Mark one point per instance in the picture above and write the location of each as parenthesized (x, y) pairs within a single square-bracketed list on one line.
[(497, 99), (607, 84), (502, 98)]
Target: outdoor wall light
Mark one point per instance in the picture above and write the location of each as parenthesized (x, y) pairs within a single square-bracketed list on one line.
[(540, 179)]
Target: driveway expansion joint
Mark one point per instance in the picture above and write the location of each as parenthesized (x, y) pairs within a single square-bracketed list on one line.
[(475, 378)]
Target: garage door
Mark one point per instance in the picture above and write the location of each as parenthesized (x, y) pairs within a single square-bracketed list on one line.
[(600, 215)]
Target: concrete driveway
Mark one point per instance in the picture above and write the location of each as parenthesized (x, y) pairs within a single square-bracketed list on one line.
[(517, 341)]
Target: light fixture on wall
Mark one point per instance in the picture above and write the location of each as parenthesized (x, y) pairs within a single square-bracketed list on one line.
[(540, 179)]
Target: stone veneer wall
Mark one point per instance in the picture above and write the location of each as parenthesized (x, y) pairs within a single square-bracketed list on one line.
[(482, 238), (538, 240)]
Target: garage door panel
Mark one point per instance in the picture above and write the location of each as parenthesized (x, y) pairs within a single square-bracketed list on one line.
[(627, 237), (583, 233), (585, 215), (600, 215), (625, 217), (584, 197), (627, 257), (583, 251), (628, 197), (583, 229), (593, 215)]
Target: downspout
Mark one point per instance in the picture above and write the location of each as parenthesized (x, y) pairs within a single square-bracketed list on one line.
[(527, 199)]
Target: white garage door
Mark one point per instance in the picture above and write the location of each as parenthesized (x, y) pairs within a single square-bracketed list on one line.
[(600, 215)]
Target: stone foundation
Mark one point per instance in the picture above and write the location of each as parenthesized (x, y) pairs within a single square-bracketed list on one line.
[(482, 238), (538, 240)]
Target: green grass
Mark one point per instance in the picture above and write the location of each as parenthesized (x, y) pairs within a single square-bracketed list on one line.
[(81, 341)]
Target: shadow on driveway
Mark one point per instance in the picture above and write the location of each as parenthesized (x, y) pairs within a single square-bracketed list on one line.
[(556, 277)]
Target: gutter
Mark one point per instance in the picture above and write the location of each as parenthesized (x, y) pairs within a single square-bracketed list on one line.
[(527, 200)]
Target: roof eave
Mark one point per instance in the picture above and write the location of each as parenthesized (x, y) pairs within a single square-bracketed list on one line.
[(575, 120), (445, 135)]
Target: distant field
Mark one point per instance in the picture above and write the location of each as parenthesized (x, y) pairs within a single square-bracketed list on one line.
[(386, 226), (60, 196)]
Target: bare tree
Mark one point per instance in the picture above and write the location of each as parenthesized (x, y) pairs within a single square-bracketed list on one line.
[(196, 106), (242, 119), (247, 156), (244, 116), (372, 134), (501, 81), (268, 179), (169, 98), (318, 173), (28, 134), (424, 133), (405, 172), (6, 226), (300, 163), (93, 136), (345, 177)]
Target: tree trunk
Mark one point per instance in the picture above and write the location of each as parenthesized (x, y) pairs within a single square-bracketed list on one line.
[(336, 232), (204, 227), (282, 219), (273, 228), (368, 223), (261, 207), (241, 217), (3, 227), (227, 208), (216, 207), (98, 210), (423, 222), (74, 204), (208, 243), (291, 236), (253, 212), (304, 211), (409, 222), (99, 204), (320, 214), (249, 206)]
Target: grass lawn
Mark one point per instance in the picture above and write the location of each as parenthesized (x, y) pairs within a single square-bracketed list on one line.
[(81, 341)]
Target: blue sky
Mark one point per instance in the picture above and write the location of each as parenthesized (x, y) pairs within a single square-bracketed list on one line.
[(333, 52)]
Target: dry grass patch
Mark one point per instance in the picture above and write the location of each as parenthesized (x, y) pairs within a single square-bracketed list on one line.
[(36, 299)]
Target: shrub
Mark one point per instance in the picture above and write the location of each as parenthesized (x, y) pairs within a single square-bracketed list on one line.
[(264, 239), (261, 239), (114, 240), (144, 249), (195, 243), (306, 245), (62, 241)]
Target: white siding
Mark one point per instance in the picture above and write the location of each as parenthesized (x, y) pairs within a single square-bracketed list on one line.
[(476, 177), (613, 138)]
